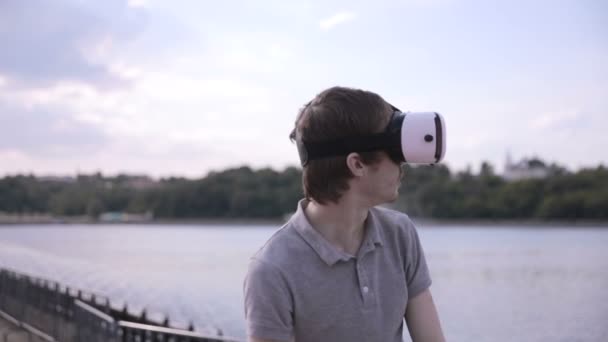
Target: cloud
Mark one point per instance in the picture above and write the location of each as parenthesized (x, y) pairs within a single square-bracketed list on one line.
[(170, 116), (47, 131), (553, 120), (53, 41), (137, 3), (337, 19)]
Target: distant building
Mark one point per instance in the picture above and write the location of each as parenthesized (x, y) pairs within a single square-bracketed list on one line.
[(141, 182), (137, 182), (524, 169), (121, 217), (58, 179)]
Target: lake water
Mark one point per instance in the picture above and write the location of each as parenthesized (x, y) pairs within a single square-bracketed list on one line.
[(489, 283)]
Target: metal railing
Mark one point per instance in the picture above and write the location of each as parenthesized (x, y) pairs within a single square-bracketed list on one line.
[(76, 316), (22, 329), (94, 325)]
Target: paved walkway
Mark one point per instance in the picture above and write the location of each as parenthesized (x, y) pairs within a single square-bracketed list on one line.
[(11, 333)]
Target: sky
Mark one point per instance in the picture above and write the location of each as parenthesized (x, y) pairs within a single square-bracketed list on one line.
[(181, 88)]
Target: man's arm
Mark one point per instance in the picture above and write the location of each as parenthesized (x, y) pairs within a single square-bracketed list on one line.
[(422, 319), (268, 303)]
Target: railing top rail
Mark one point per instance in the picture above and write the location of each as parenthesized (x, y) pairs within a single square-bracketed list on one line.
[(99, 314), (41, 335)]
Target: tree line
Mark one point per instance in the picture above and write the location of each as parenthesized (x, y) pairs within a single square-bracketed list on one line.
[(427, 191)]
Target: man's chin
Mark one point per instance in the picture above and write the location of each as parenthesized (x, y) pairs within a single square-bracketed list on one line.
[(394, 197)]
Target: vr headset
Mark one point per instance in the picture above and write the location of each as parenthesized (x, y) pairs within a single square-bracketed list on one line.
[(413, 138)]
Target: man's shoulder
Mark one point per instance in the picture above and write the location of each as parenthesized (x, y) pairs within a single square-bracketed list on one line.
[(392, 220), (282, 248), (395, 226)]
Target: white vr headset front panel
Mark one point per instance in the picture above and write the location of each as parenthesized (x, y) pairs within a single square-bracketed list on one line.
[(415, 128)]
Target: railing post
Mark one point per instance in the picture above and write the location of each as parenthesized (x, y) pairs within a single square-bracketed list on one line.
[(66, 299), (144, 317), (127, 336), (23, 297), (2, 287), (125, 312), (52, 306), (78, 322)]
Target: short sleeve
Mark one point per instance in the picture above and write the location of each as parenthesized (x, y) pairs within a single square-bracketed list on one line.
[(416, 270), (268, 302)]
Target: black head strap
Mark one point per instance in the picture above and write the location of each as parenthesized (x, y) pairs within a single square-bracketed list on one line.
[(387, 140)]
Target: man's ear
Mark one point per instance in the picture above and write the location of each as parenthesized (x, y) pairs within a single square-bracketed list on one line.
[(355, 164)]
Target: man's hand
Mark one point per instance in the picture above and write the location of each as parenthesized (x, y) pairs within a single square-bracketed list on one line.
[(422, 319)]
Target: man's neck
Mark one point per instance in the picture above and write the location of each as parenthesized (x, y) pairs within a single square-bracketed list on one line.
[(341, 224)]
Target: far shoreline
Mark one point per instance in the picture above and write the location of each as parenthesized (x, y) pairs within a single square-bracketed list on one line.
[(420, 222)]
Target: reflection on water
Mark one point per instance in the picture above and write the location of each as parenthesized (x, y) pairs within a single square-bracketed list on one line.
[(489, 284)]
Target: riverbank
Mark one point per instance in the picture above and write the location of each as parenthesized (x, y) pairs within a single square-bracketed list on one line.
[(502, 223), (11, 220), (49, 220)]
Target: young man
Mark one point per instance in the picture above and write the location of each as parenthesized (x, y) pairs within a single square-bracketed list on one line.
[(342, 269)]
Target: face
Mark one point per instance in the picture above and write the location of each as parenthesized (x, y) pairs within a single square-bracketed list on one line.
[(382, 180)]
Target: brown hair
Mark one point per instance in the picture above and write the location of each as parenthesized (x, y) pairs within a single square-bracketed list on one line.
[(335, 113)]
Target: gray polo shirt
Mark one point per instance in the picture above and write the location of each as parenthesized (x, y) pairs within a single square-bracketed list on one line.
[(299, 285)]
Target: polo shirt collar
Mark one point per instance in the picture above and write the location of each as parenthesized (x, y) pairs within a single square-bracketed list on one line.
[(326, 251)]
